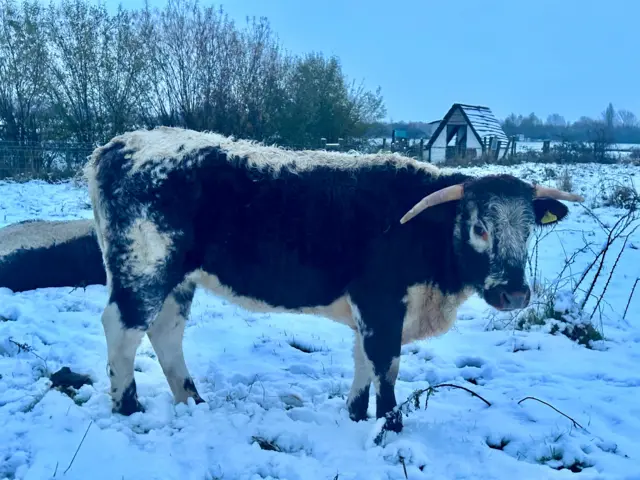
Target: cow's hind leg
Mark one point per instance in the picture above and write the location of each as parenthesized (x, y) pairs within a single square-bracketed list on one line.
[(123, 340), (166, 334), (129, 314)]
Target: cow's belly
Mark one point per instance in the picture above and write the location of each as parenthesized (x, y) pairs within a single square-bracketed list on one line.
[(429, 312), (338, 309)]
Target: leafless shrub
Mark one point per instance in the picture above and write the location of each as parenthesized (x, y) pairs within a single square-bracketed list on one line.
[(624, 227), (565, 182), (623, 196)]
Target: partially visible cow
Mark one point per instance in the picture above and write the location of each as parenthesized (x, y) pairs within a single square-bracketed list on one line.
[(43, 253), (308, 232)]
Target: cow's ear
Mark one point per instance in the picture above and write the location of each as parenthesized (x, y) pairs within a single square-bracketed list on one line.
[(549, 210)]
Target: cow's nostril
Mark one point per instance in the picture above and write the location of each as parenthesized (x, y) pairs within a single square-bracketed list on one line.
[(504, 299), (516, 299)]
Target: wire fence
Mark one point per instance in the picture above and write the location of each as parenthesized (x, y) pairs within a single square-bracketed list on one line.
[(63, 160), (46, 160), (52, 160)]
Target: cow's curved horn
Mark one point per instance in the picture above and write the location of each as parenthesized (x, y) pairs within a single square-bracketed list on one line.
[(447, 194), (557, 194)]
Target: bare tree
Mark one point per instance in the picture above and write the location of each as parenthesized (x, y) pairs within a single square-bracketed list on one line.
[(601, 138), (74, 28), (119, 76), (95, 74), (261, 81), (23, 56), (556, 120), (173, 40), (627, 118)]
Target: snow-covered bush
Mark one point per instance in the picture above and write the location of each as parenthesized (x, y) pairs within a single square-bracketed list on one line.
[(558, 312)]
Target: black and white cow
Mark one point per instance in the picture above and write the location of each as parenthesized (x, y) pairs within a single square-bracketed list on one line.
[(42, 253), (309, 232)]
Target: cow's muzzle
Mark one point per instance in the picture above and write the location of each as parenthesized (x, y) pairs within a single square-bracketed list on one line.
[(506, 299)]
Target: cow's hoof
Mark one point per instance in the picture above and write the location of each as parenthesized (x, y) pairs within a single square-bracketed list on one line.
[(358, 413), (358, 416), (358, 408), (128, 408), (192, 391), (128, 404), (393, 422)]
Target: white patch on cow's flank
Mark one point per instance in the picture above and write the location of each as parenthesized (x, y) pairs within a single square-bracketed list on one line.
[(429, 311), (339, 310), (148, 247)]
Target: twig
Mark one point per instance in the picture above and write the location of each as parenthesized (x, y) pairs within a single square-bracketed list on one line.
[(450, 385), (594, 216), (615, 264), (635, 284), (415, 396), (575, 424), (612, 236), (78, 449), (571, 260), (28, 349), (404, 467)]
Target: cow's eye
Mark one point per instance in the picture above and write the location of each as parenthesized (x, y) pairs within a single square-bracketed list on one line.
[(480, 231)]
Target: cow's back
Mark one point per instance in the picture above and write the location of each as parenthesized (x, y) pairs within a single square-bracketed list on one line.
[(41, 253)]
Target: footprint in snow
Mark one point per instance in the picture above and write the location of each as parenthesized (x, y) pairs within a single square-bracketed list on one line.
[(467, 361)]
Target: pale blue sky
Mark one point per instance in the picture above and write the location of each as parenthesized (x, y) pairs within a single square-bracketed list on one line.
[(565, 56)]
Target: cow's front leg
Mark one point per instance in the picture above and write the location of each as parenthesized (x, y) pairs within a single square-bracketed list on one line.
[(380, 331), (358, 401)]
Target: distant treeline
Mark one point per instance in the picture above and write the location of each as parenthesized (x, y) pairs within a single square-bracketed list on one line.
[(616, 126), (613, 126), (72, 71)]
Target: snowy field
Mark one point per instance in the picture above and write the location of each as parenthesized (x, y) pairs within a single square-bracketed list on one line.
[(281, 381)]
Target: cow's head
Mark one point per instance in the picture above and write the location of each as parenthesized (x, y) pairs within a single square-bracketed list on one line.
[(495, 218)]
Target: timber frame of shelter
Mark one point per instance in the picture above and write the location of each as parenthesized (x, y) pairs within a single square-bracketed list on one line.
[(468, 131)]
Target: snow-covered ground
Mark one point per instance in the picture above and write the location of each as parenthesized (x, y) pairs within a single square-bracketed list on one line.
[(260, 384)]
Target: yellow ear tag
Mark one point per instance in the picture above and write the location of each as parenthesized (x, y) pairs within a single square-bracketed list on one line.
[(549, 218)]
